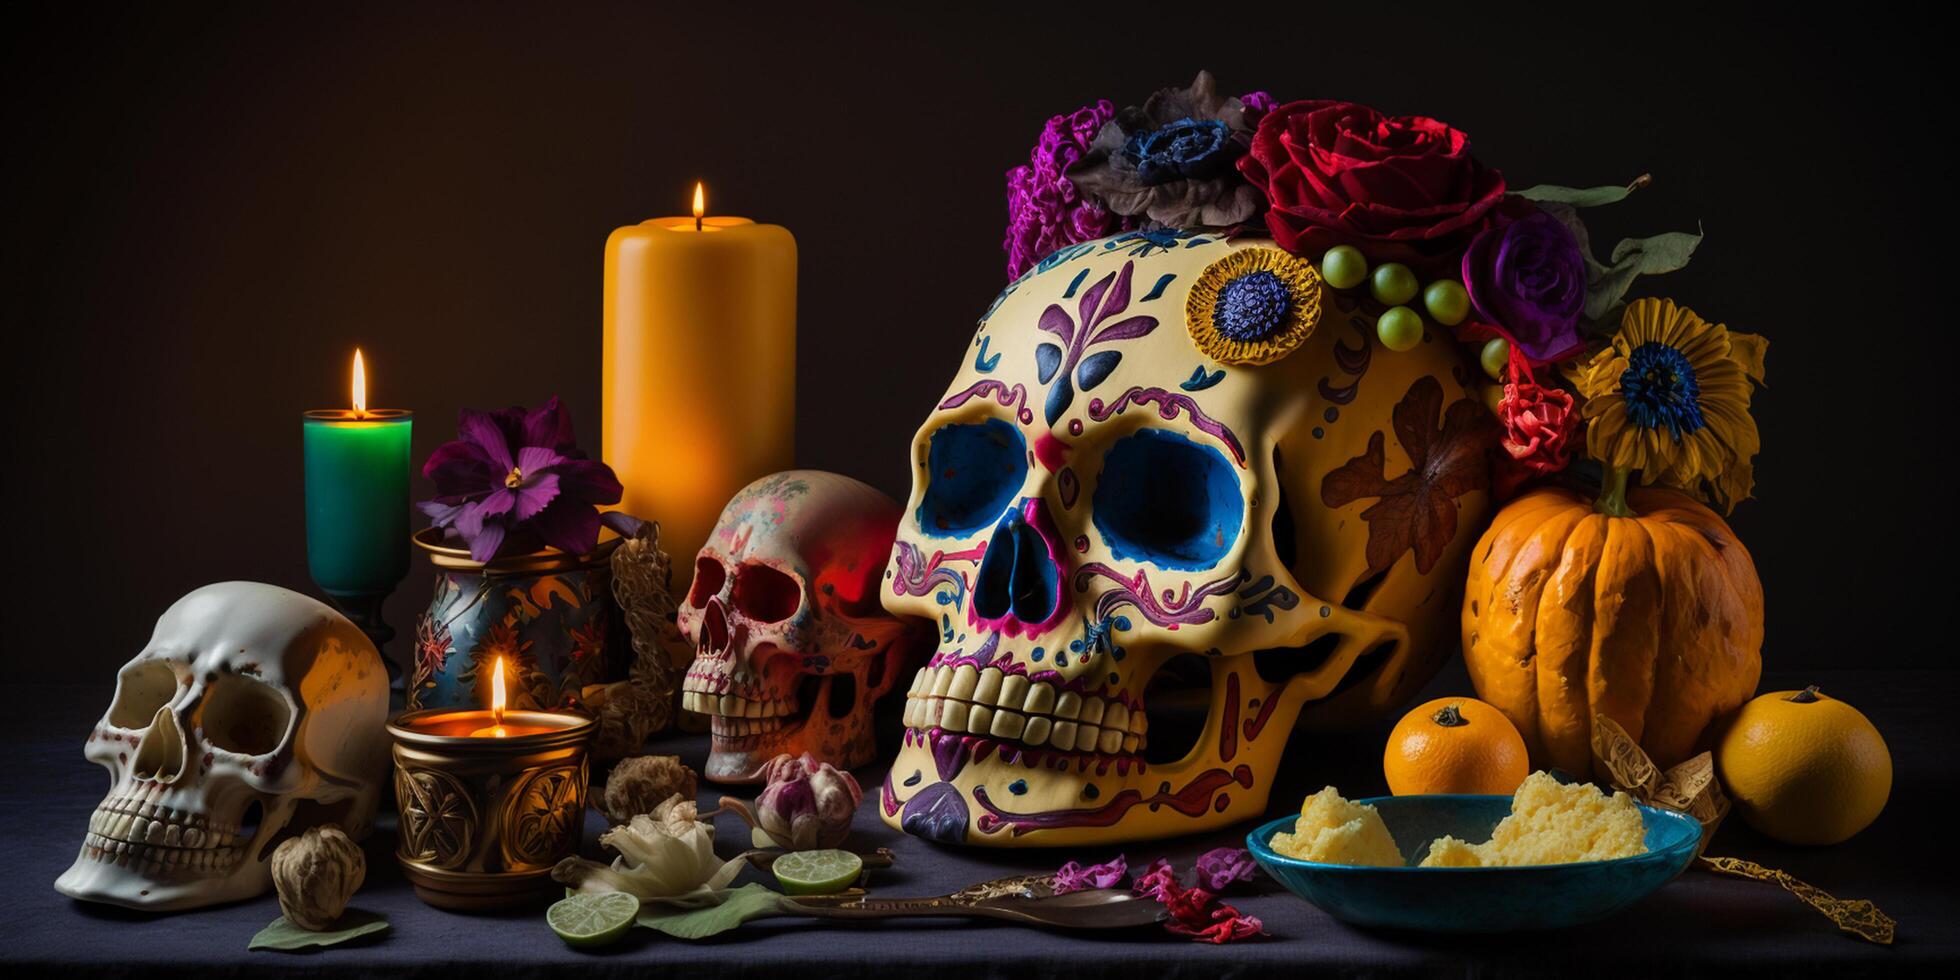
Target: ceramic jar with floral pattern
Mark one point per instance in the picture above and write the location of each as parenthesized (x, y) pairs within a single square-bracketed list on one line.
[(549, 614)]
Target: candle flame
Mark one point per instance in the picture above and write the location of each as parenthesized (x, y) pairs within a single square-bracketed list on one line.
[(497, 695), (700, 201), (360, 384)]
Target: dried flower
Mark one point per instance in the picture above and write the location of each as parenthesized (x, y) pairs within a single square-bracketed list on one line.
[(1170, 163), (639, 784), (1044, 210), (667, 855), (1073, 877), (316, 874), (807, 804), (1195, 912), (1223, 866), (519, 476), (1669, 397)]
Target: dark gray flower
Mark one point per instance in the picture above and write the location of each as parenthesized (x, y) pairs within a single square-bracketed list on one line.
[(1170, 163)]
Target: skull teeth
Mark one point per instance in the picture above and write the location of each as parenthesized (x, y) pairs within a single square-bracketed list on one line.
[(723, 726), (991, 702), (134, 819), (154, 860), (735, 706)]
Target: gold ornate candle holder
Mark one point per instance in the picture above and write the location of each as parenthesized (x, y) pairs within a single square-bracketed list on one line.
[(484, 818)]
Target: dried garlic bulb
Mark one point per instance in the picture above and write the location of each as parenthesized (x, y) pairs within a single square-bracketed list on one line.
[(316, 874)]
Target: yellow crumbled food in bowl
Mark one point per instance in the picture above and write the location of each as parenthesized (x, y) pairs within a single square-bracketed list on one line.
[(1332, 830), (1551, 823), (1448, 852)]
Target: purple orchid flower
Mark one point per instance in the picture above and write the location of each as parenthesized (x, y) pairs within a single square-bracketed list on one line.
[(517, 474)]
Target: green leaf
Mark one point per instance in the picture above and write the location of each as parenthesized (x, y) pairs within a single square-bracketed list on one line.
[(739, 906), (1632, 258), (1583, 197), (282, 934)]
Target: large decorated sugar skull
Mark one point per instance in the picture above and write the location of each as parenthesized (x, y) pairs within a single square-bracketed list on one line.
[(253, 714), (1171, 467), (792, 646)]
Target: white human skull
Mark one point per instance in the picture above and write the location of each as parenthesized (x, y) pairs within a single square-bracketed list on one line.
[(1115, 512), (792, 645), (253, 714)]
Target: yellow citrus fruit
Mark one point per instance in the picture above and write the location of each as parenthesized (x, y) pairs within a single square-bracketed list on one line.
[(1455, 745), (1804, 768)]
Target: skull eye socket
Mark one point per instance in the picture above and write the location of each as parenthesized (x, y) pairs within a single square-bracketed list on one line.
[(242, 715), (973, 472), (765, 594), (142, 688), (709, 577), (1166, 500)]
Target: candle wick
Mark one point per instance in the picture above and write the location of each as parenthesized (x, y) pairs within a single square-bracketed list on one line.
[(697, 222)]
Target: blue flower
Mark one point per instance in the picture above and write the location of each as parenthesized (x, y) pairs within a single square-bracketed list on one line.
[(1170, 163), (1183, 150), (1661, 390)]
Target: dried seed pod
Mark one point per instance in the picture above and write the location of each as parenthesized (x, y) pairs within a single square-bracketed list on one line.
[(316, 874), (639, 784)]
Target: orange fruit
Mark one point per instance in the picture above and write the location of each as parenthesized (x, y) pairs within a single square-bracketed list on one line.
[(1455, 745), (1804, 768)]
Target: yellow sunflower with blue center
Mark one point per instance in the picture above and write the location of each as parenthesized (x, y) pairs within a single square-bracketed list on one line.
[(1253, 306), (1669, 397)]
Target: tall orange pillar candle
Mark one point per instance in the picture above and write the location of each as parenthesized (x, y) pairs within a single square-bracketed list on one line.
[(699, 379)]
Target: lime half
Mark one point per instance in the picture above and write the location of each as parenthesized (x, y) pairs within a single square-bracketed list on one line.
[(589, 919), (817, 872)]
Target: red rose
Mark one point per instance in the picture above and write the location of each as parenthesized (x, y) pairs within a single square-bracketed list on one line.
[(1403, 188)]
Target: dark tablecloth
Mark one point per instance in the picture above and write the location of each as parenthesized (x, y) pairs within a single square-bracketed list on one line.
[(1700, 924)]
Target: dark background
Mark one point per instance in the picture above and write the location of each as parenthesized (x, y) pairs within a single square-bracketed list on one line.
[(207, 208)]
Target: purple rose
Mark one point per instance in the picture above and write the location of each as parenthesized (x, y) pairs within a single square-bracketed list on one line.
[(1529, 278)]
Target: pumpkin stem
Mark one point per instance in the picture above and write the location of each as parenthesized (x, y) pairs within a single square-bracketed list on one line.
[(1613, 493), (1449, 717), (1806, 696)]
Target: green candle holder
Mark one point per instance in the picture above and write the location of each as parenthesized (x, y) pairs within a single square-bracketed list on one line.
[(357, 470)]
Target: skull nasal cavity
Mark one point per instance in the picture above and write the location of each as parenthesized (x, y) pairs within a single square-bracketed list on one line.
[(160, 755), (1018, 574), (714, 629), (765, 594)]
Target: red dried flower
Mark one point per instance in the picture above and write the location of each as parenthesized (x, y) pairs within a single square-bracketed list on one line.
[(1538, 426)]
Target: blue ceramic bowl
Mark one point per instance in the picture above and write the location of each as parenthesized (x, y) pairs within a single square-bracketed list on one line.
[(1476, 900)]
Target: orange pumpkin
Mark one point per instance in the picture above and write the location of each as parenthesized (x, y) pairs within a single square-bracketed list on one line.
[(1655, 620)]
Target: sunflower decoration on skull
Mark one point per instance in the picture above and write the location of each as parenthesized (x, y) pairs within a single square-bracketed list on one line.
[(1669, 397), (1253, 306)]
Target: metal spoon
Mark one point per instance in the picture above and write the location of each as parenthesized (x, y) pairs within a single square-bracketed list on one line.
[(1096, 908)]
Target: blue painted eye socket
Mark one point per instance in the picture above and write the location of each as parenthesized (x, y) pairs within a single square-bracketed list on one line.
[(974, 471), (1166, 500)]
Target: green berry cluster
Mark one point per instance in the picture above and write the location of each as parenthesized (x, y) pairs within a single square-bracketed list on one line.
[(1393, 285)]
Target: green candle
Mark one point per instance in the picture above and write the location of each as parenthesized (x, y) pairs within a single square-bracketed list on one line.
[(357, 466)]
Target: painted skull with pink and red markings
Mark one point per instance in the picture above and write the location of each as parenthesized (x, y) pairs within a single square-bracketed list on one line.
[(1149, 553), (792, 647)]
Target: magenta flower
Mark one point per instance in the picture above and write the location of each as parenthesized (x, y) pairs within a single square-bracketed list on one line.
[(518, 477), (1219, 868), (1073, 877), (1044, 210)]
